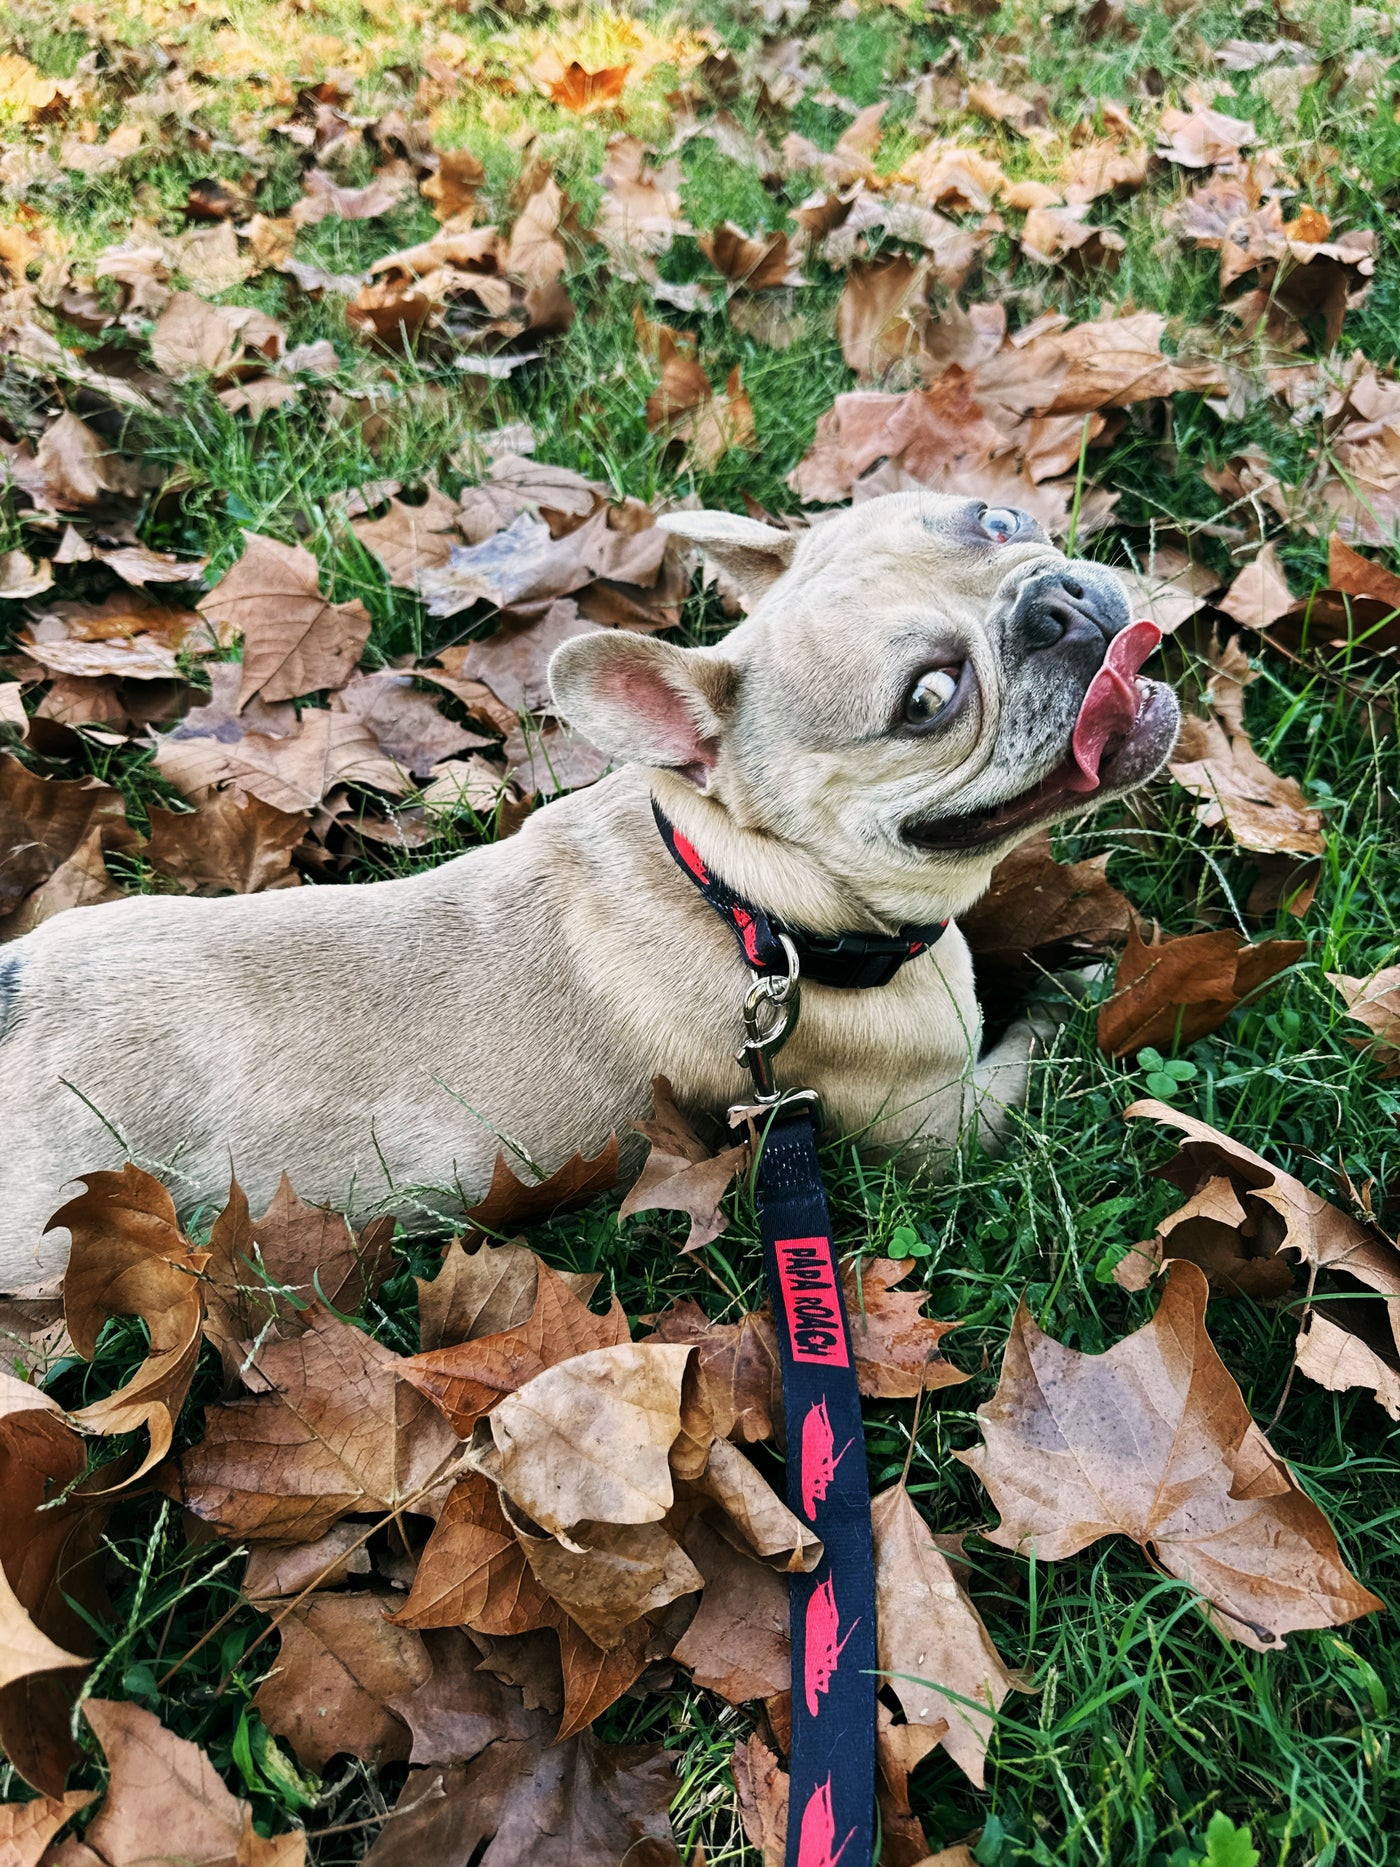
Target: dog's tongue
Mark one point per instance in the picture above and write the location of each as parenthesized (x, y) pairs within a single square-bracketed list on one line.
[(1110, 706)]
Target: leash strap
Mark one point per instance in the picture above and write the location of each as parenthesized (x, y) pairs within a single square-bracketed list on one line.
[(855, 961), (832, 1799)]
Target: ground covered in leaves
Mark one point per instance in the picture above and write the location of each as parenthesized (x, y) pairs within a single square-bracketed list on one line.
[(349, 353)]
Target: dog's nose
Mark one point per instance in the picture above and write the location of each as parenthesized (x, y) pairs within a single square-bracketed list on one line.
[(1080, 608)]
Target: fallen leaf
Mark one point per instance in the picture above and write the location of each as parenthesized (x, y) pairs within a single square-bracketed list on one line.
[(511, 1202), (1152, 1440), (323, 196), (734, 1376), (606, 1576), (936, 1655), (292, 770), (338, 1414), (752, 263), (408, 725), (75, 469), (225, 845), (410, 539), (1038, 908), (163, 1785), (1261, 810), (1177, 989), (453, 185), (468, 1378), (339, 1665), (26, 1828), (1355, 575), (265, 1274), (1200, 137), (295, 642), (483, 1292), (558, 1806), (574, 87), (44, 821), (129, 1258), (763, 1798), (1168, 588), (680, 1174), (1375, 1002), (193, 337), (1260, 594), (755, 1510), (276, 1570), (461, 1708), (473, 1571), (587, 1440), (738, 1643), (127, 658), (896, 1347)]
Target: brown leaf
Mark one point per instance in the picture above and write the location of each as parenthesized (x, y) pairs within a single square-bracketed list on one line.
[(1037, 906), (264, 1274), (680, 1174), (51, 1557), (754, 263), (1355, 575), (128, 658), (461, 1708), (1375, 1002), (285, 1569), (407, 724), (192, 337), (932, 1645), (484, 1292), (1063, 236), (519, 565), (44, 822), (1261, 810), (1242, 1215), (225, 845), (74, 468), (896, 1347), (339, 1665), (337, 1430), (130, 1258), (453, 186), (468, 1378), (738, 1644), (26, 1828), (163, 1785), (606, 1576), (1168, 588), (294, 641), (755, 1510), (574, 87), (1199, 137), (410, 539), (546, 1806), (473, 1571), (1152, 1440), (1260, 594), (510, 1202), (1181, 987), (877, 311), (734, 1375), (322, 196), (291, 770), (588, 1438), (763, 1799)]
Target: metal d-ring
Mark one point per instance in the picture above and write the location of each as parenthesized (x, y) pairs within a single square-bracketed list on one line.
[(771, 1011)]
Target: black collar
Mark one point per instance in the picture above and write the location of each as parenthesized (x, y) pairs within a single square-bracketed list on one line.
[(854, 961)]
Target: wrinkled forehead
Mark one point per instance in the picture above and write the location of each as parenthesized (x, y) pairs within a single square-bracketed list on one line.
[(915, 547)]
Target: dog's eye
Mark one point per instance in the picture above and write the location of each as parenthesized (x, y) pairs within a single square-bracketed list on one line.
[(929, 695), (1000, 523)]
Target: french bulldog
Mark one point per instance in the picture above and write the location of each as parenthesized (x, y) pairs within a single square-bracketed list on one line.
[(919, 683)]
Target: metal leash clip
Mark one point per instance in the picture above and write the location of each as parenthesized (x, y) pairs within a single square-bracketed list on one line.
[(771, 1011)]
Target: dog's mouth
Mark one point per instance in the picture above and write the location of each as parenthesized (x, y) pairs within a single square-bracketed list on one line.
[(1124, 729)]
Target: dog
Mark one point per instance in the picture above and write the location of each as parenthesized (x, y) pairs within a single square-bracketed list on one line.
[(919, 683)]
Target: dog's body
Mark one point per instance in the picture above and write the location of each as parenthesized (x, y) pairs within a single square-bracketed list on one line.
[(376, 1041)]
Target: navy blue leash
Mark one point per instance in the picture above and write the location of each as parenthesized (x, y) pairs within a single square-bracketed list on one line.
[(832, 1765)]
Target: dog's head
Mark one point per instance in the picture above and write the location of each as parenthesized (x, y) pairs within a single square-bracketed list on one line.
[(920, 682)]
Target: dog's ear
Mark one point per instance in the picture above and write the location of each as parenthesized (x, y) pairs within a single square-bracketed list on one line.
[(638, 698), (754, 555)]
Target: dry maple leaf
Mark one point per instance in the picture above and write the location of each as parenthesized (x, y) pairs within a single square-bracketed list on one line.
[(1037, 906), (734, 1376), (606, 1576), (896, 1348), (738, 1644), (225, 845), (339, 1429), (295, 641), (1152, 1440), (473, 1571), (762, 1789), (163, 1785), (573, 87), (1375, 1002), (1199, 137), (264, 1274), (410, 539), (521, 564), (340, 1663), (510, 1202), (467, 1378), (538, 1806), (193, 337), (461, 1707), (408, 725), (588, 1439), (754, 1509), (754, 263), (680, 1174), (128, 1257), (1244, 1219), (933, 1649), (26, 1828), (292, 770), (1260, 594), (1179, 988), (1261, 810), (483, 1292), (453, 185), (44, 822)]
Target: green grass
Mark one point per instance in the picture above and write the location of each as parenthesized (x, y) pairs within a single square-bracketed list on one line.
[(1142, 1723)]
